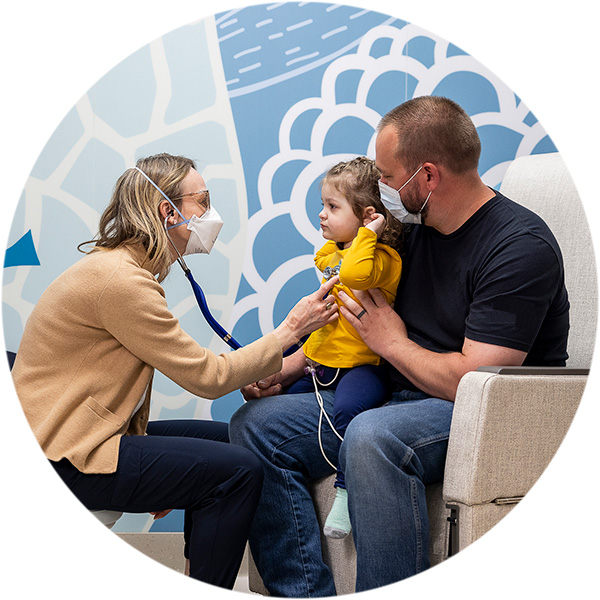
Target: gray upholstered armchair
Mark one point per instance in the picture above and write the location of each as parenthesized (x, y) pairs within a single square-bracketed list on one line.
[(508, 422)]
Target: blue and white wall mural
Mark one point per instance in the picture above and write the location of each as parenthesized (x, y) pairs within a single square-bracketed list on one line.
[(265, 98)]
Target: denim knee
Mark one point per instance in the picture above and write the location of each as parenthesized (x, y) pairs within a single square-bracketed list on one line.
[(240, 424), (367, 443)]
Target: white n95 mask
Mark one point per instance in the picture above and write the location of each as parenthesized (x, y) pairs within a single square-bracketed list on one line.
[(204, 231), (392, 201)]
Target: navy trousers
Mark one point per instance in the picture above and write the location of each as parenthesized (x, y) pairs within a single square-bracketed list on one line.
[(187, 465)]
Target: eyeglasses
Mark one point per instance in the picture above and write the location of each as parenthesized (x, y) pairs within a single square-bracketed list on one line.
[(202, 198)]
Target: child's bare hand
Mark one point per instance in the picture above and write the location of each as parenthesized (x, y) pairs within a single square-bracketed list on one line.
[(376, 224)]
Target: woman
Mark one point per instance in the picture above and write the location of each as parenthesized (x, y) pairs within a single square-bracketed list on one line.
[(84, 371)]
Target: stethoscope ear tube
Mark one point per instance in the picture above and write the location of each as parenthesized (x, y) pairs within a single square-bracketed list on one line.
[(216, 327)]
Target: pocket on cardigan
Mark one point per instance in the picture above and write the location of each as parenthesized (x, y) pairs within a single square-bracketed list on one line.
[(103, 412), (88, 437)]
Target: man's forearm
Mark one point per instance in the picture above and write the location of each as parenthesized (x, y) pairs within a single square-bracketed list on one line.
[(439, 373), (435, 373)]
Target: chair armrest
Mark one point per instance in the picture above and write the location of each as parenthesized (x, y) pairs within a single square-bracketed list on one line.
[(534, 370), (507, 424)]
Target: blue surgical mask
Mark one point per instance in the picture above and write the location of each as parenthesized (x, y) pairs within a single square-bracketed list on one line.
[(392, 201)]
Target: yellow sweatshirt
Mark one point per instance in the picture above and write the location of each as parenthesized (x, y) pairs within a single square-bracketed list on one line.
[(364, 265)]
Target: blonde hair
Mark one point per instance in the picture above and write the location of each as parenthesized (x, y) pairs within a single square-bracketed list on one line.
[(132, 217), (358, 181)]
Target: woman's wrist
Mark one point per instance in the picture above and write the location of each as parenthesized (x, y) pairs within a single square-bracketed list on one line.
[(287, 335)]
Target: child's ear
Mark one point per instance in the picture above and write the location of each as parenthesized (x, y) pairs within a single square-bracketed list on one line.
[(368, 213)]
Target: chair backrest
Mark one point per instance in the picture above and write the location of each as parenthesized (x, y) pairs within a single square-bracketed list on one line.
[(542, 183)]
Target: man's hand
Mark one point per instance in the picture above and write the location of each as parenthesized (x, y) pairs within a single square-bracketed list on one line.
[(375, 321), (437, 373)]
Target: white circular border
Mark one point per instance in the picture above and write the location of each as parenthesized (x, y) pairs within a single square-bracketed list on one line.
[(55, 51)]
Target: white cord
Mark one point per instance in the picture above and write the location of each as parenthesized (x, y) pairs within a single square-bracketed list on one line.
[(323, 412), (314, 374)]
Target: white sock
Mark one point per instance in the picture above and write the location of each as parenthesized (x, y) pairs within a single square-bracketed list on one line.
[(337, 524)]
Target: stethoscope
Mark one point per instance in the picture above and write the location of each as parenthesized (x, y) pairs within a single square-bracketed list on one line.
[(234, 344), (198, 293), (203, 305), (227, 337)]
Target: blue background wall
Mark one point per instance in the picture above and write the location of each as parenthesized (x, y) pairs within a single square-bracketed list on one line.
[(265, 98)]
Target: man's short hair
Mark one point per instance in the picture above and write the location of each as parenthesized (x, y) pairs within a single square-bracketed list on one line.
[(434, 129)]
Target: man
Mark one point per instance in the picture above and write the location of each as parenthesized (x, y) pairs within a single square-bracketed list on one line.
[(482, 284)]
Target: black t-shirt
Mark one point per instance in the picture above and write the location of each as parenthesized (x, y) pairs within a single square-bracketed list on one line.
[(498, 279)]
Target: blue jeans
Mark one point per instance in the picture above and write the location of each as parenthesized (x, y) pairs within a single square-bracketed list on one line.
[(389, 454)]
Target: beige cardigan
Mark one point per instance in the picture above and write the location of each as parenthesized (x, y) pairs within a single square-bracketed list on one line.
[(88, 354)]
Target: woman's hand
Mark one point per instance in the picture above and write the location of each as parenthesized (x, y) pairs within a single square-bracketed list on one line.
[(310, 314), (269, 386)]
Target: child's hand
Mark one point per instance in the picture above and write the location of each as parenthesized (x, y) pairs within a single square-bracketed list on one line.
[(376, 223)]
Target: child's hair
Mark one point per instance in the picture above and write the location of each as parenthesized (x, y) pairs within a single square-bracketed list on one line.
[(358, 181)]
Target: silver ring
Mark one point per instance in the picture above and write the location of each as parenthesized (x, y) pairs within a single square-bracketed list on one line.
[(360, 314), (328, 306)]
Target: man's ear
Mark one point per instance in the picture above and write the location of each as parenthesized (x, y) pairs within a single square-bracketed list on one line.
[(433, 175)]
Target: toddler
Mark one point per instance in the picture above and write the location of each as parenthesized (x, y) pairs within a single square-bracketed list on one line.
[(363, 246)]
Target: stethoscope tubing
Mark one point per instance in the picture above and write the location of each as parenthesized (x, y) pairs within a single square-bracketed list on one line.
[(215, 325)]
